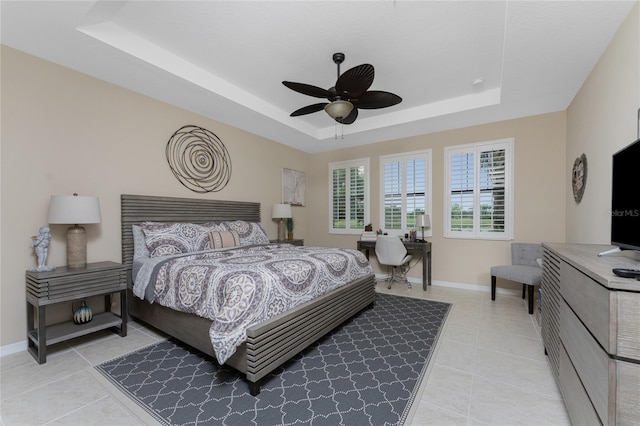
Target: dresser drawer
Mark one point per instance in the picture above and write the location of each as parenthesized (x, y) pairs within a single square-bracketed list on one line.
[(604, 379), (577, 401), (65, 284), (589, 360), (591, 302), (628, 403), (611, 316), (628, 325)]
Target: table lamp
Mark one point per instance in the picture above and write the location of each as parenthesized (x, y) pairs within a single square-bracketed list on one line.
[(422, 221), (76, 210), (282, 212)]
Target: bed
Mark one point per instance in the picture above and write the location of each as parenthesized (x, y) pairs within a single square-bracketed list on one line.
[(268, 344)]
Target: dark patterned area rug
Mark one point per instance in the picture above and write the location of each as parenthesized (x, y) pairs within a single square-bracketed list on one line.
[(366, 372)]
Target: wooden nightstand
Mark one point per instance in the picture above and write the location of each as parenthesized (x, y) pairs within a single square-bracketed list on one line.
[(295, 242), (67, 285)]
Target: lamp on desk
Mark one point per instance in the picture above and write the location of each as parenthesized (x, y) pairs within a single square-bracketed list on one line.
[(76, 210), (282, 212), (422, 221)]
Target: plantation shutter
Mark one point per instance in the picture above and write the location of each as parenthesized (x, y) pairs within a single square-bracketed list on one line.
[(349, 198), (356, 197), (392, 195), (406, 188), (492, 191), (462, 192), (416, 183), (339, 215), (480, 190)]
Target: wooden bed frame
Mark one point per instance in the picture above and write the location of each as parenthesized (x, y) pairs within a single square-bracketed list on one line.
[(269, 344)]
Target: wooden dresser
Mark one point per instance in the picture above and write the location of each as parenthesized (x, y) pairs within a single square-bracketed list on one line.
[(591, 332)]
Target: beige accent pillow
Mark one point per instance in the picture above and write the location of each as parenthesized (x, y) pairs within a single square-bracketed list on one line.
[(224, 239)]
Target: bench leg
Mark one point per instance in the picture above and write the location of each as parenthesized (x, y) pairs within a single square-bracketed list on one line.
[(493, 287), (530, 289)]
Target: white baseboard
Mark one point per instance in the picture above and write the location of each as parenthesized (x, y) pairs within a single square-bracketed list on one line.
[(462, 286), (13, 348)]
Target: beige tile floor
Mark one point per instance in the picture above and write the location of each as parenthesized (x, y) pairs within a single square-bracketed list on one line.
[(489, 369)]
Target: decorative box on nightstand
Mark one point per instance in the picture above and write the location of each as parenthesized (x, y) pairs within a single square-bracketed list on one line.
[(65, 285), (295, 242)]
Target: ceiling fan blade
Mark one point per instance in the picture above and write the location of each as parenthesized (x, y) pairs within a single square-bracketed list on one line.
[(356, 81), (375, 99), (309, 109), (308, 89), (349, 119)]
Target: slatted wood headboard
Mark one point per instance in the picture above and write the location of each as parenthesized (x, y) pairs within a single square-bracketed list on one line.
[(139, 208)]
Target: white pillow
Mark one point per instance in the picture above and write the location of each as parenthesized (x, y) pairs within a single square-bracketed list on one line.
[(139, 246)]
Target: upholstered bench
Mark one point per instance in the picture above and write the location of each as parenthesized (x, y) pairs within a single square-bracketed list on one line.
[(525, 268)]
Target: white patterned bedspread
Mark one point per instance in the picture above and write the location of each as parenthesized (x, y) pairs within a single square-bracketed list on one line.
[(244, 286)]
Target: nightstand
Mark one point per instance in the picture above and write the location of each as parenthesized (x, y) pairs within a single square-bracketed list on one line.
[(65, 285), (295, 242)]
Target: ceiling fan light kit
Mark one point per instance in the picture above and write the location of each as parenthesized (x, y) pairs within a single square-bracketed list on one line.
[(350, 93), (339, 109)]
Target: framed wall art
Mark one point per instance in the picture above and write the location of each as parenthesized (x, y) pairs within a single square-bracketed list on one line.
[(293, 187), (579, 177)]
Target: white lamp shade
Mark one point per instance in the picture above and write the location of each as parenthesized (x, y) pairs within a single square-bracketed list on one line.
[(422, 221), (74, 209), (280, 211)]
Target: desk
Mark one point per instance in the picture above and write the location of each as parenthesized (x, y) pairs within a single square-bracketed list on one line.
[(413, 247)]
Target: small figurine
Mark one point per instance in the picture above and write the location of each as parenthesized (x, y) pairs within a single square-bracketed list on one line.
[(41, 245)]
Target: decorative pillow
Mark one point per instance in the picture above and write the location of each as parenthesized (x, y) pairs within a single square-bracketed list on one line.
[(163, 239), (250, 232), (139, 246), (223, 239)]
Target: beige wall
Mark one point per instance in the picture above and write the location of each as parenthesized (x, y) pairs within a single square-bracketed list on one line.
[(602, 119), (540, 193), (65, 132)]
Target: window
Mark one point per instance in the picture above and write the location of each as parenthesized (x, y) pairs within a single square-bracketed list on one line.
[(349, 196), (405, 182), (479, 187)]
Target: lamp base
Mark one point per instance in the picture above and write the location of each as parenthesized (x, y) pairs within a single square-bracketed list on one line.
[(76, 247), (281, 230)]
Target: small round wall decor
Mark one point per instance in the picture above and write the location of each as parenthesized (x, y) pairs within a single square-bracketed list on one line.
[(579, 177), (199, 159)]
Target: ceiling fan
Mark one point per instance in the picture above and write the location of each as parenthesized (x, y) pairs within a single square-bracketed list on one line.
[(349, 94)]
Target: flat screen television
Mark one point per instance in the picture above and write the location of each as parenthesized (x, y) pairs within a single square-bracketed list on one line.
[(625, 198)]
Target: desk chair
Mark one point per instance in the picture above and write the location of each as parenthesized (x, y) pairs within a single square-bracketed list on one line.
[(524, 269), (391, 252)]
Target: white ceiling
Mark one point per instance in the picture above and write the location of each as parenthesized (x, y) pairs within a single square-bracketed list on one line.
[(226, 59)]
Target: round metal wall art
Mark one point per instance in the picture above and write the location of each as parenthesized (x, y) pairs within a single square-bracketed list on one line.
[(579, 177), (199, 159)]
